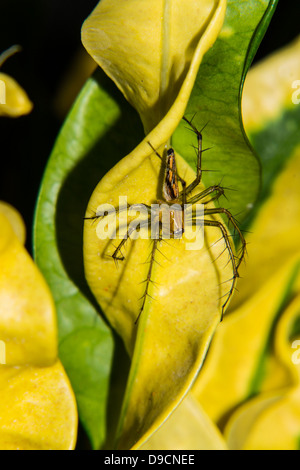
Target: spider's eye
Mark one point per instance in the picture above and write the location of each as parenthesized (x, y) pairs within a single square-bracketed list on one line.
[(170, 152)]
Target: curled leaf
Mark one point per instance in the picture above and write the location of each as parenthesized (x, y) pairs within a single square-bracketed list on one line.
[(154, 57), (14, 101)]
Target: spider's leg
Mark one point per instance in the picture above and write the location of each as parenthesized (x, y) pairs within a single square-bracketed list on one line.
[(197, 180), (183, 193), (236, 227), (155, 151), (217, 189), (148, 278), (117, 255), (225, 236), (108, 212), (116, 211)]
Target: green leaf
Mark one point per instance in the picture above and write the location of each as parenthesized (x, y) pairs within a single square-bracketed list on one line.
[(216, 103), (272, 121), (100, 129)]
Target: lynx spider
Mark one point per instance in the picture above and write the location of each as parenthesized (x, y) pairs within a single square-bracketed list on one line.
[(172, 194)]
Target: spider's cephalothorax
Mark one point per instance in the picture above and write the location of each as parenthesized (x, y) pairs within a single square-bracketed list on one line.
[(170, 186), (172, 207)]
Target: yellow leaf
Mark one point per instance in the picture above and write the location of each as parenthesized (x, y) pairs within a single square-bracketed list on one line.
[(37, 409), (27, 311), (238, 345), (272, 420), (188, 428), (14, 102), (154, 57), (118, 290)]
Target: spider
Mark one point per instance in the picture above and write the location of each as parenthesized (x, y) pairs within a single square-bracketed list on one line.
[(173, 203)]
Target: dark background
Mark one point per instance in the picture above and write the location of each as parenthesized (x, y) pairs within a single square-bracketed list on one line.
[(49, 32)]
